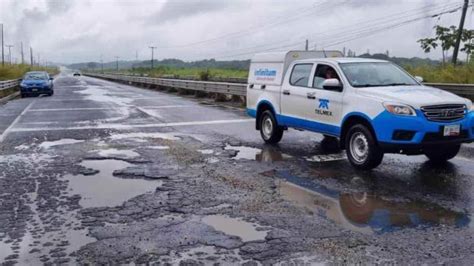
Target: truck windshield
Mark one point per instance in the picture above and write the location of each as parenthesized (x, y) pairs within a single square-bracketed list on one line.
[(375, 74)]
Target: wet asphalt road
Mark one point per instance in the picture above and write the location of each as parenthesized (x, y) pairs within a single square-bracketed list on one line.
[(109, 173)]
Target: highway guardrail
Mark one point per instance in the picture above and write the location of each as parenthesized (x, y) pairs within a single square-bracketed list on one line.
[(240, 89), (8, 84), (235, 89)]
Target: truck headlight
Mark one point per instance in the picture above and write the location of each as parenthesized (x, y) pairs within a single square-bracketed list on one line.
[(399, 109)]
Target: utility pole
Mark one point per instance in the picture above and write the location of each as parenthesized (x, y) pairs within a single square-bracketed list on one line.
[(136, 55), (152, 53), (306, 45), (116, 63), (101, 64), (22, 54), (460, 30), (3, 52), (9, 46), (31, 56)]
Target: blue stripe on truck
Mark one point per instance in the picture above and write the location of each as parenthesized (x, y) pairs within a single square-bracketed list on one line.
[(308, 125)]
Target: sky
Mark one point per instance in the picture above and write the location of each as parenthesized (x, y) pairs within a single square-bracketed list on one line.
[(70, 31)]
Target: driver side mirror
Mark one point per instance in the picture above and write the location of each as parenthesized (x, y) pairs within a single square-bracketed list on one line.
[(419, 79), (332, 85)]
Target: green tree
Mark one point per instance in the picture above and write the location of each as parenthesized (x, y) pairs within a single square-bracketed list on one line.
[(446, 39)]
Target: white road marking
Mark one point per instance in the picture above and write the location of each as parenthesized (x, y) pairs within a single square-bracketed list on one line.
[(10, 128), (121, 126), (168, 106), (73, 109)]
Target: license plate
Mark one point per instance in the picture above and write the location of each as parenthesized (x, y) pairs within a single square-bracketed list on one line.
[(34, 89), (452, 130)]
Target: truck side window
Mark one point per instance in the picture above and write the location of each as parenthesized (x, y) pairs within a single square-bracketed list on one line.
[(322, 73), (300, 75)]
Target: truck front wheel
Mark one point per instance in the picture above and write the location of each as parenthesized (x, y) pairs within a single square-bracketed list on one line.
[(362, 149), (269, 129), (442, 154)]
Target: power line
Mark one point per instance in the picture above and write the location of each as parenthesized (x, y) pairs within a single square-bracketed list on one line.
[(349, 29), (367, 29), (272, 22)]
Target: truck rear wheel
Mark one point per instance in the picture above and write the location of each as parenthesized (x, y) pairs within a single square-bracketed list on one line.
[(362, 149), (269, 129), (442, 153)]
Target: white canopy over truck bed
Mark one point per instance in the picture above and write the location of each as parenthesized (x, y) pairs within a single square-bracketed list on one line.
[(269, 68)]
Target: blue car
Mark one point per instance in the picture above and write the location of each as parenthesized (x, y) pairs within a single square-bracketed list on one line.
[(36, 83)]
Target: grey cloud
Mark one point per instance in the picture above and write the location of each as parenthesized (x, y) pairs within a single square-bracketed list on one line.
[(175, 10)]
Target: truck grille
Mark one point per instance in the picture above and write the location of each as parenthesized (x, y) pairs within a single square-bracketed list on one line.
[(444, 113)]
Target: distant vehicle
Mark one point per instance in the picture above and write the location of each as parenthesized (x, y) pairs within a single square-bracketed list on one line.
[(36, 83), (76, 74), (370, 107)]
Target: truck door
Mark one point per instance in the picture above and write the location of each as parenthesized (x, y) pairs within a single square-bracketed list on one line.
[(312, 107)]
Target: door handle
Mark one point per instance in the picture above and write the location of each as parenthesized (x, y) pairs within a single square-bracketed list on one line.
[(311, 95), (286, 92)]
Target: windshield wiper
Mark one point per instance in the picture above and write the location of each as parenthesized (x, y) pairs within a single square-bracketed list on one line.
[(397, 84), (368, 85)]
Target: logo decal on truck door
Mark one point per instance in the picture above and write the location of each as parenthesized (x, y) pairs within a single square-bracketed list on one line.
[(323, 108), (323, 104)]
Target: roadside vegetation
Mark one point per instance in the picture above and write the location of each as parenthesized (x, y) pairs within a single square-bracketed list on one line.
[(195, 72), (444, 73), (16, 71)]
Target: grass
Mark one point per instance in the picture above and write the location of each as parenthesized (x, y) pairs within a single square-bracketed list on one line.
[(200, 73), (442, 73), (8, 72)]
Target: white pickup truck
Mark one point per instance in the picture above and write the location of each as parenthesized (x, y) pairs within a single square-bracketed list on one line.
[(371, 106)]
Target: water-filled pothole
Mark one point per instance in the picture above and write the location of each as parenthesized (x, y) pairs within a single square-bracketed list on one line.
[(267, 154), (235, 226), (103, 189), (365, 212)]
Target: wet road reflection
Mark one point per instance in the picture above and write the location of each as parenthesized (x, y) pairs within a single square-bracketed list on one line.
[(365, 212)]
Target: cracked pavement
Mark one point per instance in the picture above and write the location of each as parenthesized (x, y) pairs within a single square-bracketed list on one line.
[(107, 173)]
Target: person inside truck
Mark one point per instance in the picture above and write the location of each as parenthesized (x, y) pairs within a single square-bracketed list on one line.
[(323, 72)]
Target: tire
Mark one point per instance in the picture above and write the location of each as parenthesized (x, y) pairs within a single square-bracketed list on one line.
[(442, 154), (269, 129), (23, 95), (51, 93), (362, 149)]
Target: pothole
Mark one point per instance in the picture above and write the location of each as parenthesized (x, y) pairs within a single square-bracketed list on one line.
[(49, 144), (103, 189), (363, 211), (236, 227), (118, 153), (267, 154)]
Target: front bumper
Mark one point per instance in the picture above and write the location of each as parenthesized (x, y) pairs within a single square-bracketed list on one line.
[(36, 90), (424, 132)]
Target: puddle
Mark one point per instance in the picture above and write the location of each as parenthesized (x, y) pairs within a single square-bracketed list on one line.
[(267, 154), (103, 189), (159, 147), (206, 151), (327, 158), (5, 250), (208, 255), (142, 136), (365, 212), (22, 147), (235, 226), (49, 144), (118, 153)]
